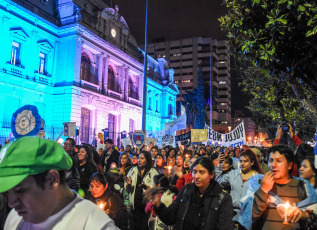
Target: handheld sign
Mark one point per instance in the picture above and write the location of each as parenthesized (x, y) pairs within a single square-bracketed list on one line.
[(26, 121), (138, 138)]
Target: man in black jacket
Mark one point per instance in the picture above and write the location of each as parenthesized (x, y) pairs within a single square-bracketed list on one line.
[(109, 156)]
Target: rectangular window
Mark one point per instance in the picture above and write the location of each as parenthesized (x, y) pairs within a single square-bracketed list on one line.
[(170, 109), (15, 53), (42, 63), (150, 102)]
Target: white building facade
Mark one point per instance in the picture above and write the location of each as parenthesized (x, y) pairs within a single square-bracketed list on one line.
[(80, 66)]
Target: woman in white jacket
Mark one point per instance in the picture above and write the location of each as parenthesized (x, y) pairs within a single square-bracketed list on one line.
[(138, 180)]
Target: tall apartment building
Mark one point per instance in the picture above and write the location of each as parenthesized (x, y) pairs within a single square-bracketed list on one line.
[(185, 56)]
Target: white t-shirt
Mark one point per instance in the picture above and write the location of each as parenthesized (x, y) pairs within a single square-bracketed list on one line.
[(79, 214)]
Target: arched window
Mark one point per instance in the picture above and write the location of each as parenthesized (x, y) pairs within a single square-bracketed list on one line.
[(111, 79), (85, 68)]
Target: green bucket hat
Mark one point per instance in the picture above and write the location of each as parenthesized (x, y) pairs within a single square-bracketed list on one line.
[(29, 156)]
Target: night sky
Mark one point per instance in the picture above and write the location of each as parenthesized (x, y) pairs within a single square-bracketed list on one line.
[(173, 19), (177, 19)]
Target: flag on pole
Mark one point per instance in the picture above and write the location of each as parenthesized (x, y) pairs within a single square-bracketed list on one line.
[(177, 124)]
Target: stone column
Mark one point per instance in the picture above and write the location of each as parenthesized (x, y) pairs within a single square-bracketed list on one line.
[(140, 89), (126, 83), (100, 56), (6, 45), (53, 71), (122, 77), (33, 54), (105, 82)]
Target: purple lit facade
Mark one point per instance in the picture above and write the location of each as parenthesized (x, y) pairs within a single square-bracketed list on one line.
[(82, 66)]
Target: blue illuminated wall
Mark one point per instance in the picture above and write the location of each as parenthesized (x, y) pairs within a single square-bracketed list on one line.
[(161, 95), (59, 92)]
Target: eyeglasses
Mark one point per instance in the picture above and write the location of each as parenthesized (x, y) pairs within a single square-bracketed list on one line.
[(67, 145)]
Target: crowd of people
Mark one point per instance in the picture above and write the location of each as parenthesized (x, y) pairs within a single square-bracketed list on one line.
[(188, 187)]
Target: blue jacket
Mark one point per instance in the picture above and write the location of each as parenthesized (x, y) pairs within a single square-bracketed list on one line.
[(238, 188), (244, 217)]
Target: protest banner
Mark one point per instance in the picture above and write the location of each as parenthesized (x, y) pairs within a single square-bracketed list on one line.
[(165, 140), (234, 138), (69, 129), (127, 141), (199, 135), (148, 140), (183, 138), (138, 138)]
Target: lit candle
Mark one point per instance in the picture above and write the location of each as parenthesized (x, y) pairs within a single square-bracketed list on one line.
[(169, 168), (101, 205), (286, 206)]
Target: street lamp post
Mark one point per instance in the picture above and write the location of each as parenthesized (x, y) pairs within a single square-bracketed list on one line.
[(145, 72)]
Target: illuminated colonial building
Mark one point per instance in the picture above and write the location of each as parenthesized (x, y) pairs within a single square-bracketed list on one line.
[(76, 61)]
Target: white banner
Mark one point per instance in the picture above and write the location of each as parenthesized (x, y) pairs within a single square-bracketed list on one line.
[(127, 141), (148, 140), (234, 138), (69, 129), (165, 140)]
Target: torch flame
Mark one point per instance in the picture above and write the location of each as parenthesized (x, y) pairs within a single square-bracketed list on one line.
[(101, 205)]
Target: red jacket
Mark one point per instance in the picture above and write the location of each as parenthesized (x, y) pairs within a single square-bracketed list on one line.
[(295, 139), (181, 182), (297, 142)]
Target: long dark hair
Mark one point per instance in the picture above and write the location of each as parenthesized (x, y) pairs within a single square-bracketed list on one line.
[(206, 163), (311, 162), (230, 162), (89, 160), (169, 151), (148, 159), (129, 163), (252, 158)]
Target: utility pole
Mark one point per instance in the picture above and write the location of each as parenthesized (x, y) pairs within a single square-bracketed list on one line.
[(210, 79), (145, 73)]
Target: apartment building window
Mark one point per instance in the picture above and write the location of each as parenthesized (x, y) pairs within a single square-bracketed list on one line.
[(222, 82), (42, 63), (15, 53), (223, 103)]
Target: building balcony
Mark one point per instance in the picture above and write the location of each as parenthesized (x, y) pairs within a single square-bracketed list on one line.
[(114, 94), (15, 69), (134, 101), (43, 77), (89, 85)]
